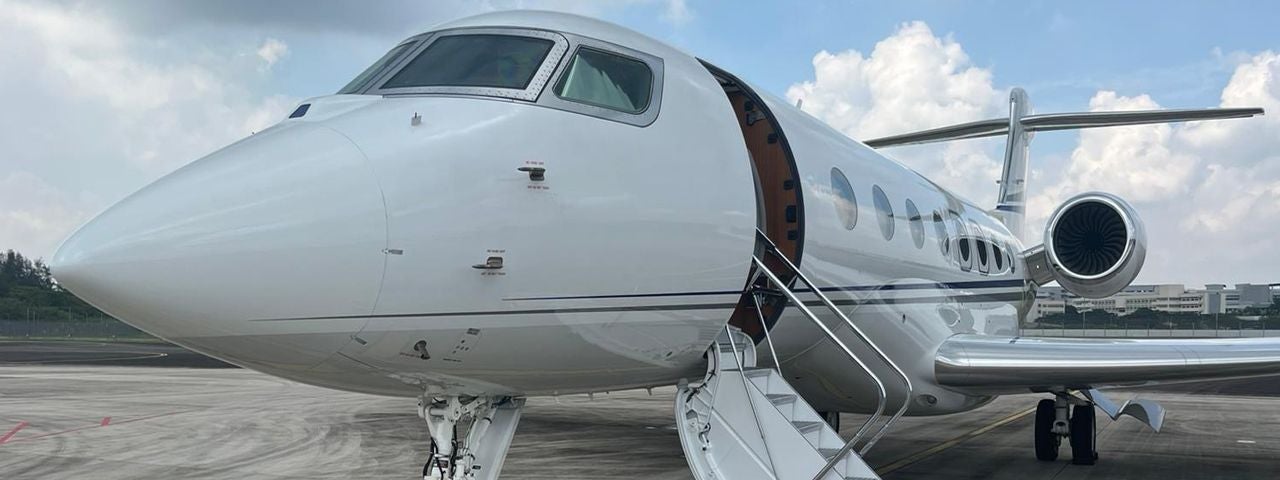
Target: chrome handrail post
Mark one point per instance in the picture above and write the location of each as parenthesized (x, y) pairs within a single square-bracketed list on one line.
[(883, 395), (768, 339), (906, 401), (746, 389)]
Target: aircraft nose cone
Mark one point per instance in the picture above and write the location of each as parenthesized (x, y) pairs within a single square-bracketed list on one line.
[(286, 224)]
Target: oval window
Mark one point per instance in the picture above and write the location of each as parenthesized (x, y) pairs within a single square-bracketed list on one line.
[(980, 244), (997, 254), (940, 228), (846, 204), (916, 224), (962, 244), (884, 212)]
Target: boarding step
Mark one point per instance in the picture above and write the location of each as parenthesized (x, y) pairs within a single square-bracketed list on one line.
[(733, 348), (750, 423)]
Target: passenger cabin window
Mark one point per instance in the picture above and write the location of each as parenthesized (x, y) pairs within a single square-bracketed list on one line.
[(997, 254), (962, 249), (377, 69), (940, 228), (916, 224), (980, 244), (884, 212), (475, 60), (606, 80), (846, 204)]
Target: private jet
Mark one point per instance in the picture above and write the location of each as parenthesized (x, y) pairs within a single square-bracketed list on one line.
[(522, 204)]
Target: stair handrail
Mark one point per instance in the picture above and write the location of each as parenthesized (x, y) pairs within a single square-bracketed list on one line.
[(773, 352), (906, 401), (746, 389), (880, 390)]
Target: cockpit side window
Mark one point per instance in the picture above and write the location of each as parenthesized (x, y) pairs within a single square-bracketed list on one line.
[(606, 80), (494, 61), (377, 69)]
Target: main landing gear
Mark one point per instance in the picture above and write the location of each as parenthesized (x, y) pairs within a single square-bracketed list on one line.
[(1053, 423), (488, 423)]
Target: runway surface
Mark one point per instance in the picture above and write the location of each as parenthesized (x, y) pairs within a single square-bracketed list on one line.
[(78, 419), (85, 352)]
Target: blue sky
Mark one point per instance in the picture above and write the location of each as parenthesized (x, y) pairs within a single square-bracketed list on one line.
[(104, 97), (1178, 52), (1064, 52)]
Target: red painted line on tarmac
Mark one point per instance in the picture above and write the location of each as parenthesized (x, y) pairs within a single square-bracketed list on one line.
[(103, 424), (105, 421), (11, 433), (149, 417)]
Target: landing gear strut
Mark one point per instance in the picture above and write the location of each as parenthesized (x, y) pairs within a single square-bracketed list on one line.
[(488, 422), (1053, 423)]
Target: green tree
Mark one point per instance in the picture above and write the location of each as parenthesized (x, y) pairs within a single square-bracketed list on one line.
[(28, 290)]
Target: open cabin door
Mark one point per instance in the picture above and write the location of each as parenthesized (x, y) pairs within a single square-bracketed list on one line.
[(780, 205)]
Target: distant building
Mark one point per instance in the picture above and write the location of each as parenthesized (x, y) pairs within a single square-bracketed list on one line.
[(1254, 295), (1171, 298)]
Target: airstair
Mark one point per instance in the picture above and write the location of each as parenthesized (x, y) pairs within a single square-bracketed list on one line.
[(745, 422)]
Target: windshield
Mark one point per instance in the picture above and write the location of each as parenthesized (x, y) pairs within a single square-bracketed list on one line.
[(376, 69), (498, 61)]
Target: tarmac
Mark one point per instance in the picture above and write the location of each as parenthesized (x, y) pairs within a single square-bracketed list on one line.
[(135, 410)]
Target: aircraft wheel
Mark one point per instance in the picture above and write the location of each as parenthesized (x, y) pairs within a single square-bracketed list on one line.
[(1083, 449), (1047, 442)]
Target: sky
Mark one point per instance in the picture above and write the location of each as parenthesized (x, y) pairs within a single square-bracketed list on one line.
[(97, 99)]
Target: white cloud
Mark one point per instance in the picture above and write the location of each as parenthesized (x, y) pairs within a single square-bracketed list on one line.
[(271, 51), (677, 12), (1137, 162), (35, 214), (1196, 185), (99, 111), (1209, 192), (1240, 191), (912, 80)]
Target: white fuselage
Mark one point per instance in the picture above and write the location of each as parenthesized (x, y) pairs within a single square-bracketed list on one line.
[(340, 248)]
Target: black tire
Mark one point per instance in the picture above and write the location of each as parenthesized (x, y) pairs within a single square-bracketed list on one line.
[(1083, 449), (1047, 442)]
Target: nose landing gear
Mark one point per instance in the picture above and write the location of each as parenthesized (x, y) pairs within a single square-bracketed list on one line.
[(1053, 423), (488, 422)]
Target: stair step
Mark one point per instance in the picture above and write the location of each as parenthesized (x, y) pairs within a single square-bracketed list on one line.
[(828, 453), (757, 372), (806, 427), (728, 349), (781, 398)]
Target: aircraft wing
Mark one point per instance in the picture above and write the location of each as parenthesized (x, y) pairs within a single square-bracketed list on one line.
[(999, 364)]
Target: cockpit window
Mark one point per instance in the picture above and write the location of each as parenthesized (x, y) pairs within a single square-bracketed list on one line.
[(606, 80), (376, 69), (493, 61)]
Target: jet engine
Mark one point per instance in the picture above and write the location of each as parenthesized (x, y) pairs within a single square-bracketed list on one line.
[(1094, 246)]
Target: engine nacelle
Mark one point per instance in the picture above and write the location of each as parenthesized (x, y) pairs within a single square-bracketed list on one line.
[(1094, 246)]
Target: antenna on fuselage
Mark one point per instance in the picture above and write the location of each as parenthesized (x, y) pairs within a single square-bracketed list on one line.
[(1020, 126)]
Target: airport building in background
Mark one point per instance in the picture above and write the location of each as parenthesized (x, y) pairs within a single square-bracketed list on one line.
[(1170, 297)]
